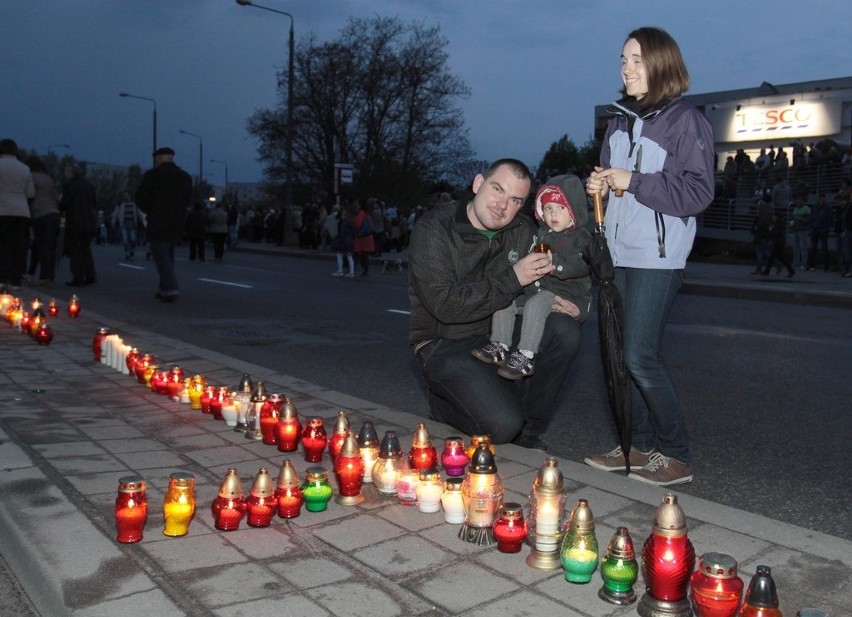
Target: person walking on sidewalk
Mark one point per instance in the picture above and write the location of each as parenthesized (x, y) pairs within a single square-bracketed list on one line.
[(778, 244), (196, 231), (467, 260), (365, 245), (79, 204), (127, 217), (218, 218), (658, 154), (164, 196)]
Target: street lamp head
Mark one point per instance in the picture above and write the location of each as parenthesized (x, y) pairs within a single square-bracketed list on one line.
[(123, 94), (244, 2)]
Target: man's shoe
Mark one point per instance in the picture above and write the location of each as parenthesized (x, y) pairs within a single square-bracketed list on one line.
[(614, 459), (663, 470), (533, 442), (517, 366), (492, 353)]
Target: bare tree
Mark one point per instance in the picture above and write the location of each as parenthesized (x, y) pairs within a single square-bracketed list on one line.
[(380, 97)]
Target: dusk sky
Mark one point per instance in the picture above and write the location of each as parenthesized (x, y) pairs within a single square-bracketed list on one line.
[(536, 68)]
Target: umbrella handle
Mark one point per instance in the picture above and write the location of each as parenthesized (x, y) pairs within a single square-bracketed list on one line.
[(597, 199)]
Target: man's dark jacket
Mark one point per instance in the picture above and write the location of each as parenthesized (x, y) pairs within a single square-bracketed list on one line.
[(164, 195), (79, 206)]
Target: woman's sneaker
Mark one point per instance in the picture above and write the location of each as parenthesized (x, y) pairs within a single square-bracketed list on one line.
[(492, 353), (517, 366), (614, 459)]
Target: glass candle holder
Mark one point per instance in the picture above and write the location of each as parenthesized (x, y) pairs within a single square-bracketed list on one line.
[(130, 361), (619, 569), (179, 504), (270, 412), (229, 506), (288, 430), (715, 588), (289, 491), (44, 334), (53, 308), (422, 454), (475, 440), (368, 444), (510, 528), (196, 390), (761, 599), (338, 435), (97, 341), (482, 494), (547, 514), (406, 487), (580, 545), (242, 401), (454, 456), (316, 489), (390, 464), (259, 395), (314, 439), (261, 503), (131, 509), (74, 306), (451, 501), (429, 489), (349, 471), (142, 364)]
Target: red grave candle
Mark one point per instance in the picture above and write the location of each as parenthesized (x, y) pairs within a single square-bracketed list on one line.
[(314, 439)]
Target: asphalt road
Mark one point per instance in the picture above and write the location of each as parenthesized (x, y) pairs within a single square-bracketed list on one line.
[(766, 387)]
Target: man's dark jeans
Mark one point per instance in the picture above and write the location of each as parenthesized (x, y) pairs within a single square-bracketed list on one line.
[(163, 254), (470, 396)]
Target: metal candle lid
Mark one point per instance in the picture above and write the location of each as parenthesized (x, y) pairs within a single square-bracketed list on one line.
[(482, 461), (182, 479), (430, 475), (288, 478), (421, 437), (131, 484), (341, 424), (718, 565), (761, 590), (350, 446), (669, 520), (367, 436), (453, 484), (245, 385), (259, 393), (621, 545), (549, 479), (390, 446), (512, 511), (262, 486), (231, 487), (316, 473), (288, 410), (582, 518)]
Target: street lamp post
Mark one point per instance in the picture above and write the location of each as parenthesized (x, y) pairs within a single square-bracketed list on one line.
[(145, 98), (225, 163), (288, 195), (200, 156)]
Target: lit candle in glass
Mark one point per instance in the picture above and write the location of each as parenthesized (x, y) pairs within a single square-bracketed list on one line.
[(131, 509), (316, 489), (547, 511), (314, 439), (242, 401), (197, 387), (74, 306), (349, 470), (338, 435), (97, 342), (390, 464), (44, 334), (53, 308), (580, 545), (510, 529), (270, 411), (288, 430), (429, 489), (261, 503), (482, 494), (619, 569), (715, 588), (289, 491), (368, 443), (422, 454), (406, 487), (179, 504), (761, 599), (229, 506), (454, 456), (451, 501)]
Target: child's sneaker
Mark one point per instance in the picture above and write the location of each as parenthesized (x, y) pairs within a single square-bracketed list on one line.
[(517, 366), (492, 353)]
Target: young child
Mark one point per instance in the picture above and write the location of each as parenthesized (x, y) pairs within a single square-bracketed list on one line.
[(562, 209)]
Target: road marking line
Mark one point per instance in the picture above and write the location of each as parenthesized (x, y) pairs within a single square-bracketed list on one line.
[(398, 311), (123, 265), (226, 283)]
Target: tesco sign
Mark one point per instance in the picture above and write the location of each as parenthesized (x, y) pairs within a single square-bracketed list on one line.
[(801, 119)]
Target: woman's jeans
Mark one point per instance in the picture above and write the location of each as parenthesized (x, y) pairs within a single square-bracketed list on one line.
[(470, 396), (648, 297)]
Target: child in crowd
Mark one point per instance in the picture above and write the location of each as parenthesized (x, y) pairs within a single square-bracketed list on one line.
[(562, 208)]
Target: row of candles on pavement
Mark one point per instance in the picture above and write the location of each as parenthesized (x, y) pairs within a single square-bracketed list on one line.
[(34, 320), (472, 496)]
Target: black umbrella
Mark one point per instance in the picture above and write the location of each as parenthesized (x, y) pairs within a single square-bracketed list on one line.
[(610, 329)]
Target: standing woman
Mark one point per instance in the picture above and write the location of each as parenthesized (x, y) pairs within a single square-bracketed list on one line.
[(658, 154), (364, 243), (44, 209), (16, 188)]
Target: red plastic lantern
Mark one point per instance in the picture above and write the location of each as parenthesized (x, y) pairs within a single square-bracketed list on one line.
[(668, 559), (97, 343), (141, 368), (349, 470), (209, 393), (229, 506), (131, 509), (44, 334), (217, 401), (53, 308), (132, 357), (261, 504), (314, 439), (716, 588), (160, 381), (175, 382), (338, 435), (74, 306), (454, 456), (289, 491), (510, 528), (270, 411), (422, 454), (288, 429)]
